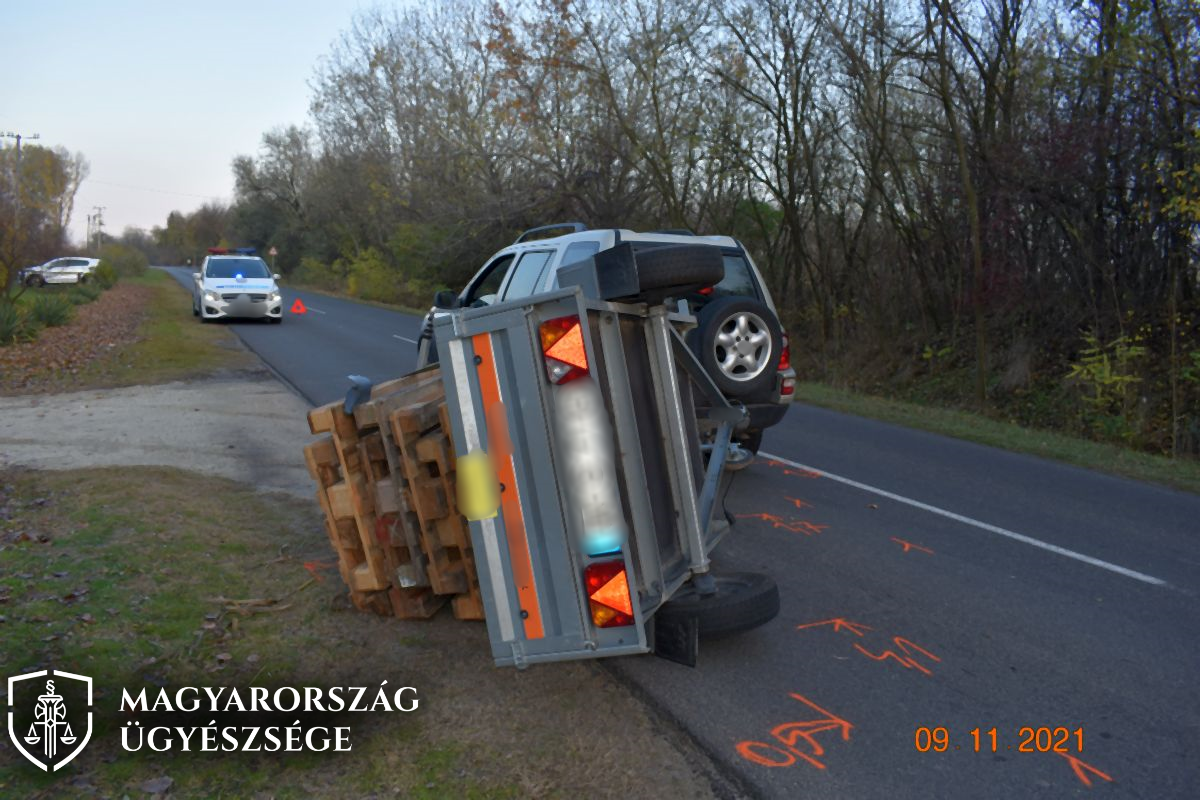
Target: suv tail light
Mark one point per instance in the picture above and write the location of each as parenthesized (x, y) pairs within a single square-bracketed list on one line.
[(785, 357), (563, 349), (608, 594)]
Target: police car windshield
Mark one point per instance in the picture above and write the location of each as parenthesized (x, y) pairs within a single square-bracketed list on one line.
[(232, 267)]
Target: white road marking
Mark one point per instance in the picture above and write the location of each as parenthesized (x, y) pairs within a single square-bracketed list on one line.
[(310, 308), (1053, 548), (404, 338)]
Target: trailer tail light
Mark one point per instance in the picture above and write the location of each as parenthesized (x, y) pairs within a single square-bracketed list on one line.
[(705, 290), (608, 594), (785, 357), (563, 349)]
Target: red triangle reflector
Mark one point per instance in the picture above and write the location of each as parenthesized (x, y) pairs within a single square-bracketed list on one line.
[(298, 307), (569, 349), (615, 594)]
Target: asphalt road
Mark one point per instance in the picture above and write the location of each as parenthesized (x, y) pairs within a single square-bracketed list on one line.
[(926, 583)]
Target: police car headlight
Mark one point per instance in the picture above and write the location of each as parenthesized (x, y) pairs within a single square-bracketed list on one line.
[(273, 296), (212, 297)]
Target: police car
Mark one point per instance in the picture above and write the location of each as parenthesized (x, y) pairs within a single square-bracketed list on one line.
[(235, 283)]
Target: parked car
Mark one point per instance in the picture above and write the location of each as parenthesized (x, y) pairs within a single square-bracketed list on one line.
[(738, 337), (235, 283), (71, 269)]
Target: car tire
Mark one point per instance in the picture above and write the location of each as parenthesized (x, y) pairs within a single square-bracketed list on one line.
[(195, 308), (743, 600), (36, 281), (738, 340), (82, 280), (679, 266), (275, 320)]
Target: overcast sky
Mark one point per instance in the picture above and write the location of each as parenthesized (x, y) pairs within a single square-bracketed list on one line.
[(159, 96)]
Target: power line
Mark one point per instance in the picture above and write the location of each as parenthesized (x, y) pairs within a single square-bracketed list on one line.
[(155, 191)]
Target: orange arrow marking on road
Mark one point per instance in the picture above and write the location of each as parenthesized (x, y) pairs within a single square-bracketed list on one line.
[(1080, 766), (298, 307), (840, 624), (910, 546)]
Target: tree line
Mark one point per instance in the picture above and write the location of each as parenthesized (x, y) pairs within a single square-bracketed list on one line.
[(997, 199)]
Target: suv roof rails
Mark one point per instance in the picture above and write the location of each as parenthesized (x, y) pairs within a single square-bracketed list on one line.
[(676, 231), (575, 227)]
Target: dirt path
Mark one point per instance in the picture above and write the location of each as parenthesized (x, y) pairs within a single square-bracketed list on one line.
[(247, 427)]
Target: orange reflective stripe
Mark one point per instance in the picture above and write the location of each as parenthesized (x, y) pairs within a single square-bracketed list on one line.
[(510, 499)]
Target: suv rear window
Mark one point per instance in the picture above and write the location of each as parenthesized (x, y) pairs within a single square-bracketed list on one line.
[(737, 281)]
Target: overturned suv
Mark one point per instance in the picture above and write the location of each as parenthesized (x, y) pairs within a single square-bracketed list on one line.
[(737, 337)]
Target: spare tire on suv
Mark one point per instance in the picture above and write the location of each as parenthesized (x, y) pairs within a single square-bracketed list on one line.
[(679, 267), (738, 340)]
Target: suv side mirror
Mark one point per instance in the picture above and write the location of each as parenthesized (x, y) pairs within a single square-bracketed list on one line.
[(277, 276), (195, 276), (445, 299)]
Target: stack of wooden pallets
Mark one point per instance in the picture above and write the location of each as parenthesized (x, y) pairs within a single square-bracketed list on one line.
[(385, 480)]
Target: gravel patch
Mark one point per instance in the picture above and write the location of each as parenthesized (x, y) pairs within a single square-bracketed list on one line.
[(248, 428)]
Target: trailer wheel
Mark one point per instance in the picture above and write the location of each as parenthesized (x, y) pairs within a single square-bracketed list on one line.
[(679, 266), (743, 600)]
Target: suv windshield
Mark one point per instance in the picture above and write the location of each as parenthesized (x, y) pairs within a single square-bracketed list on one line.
[(232, 267)]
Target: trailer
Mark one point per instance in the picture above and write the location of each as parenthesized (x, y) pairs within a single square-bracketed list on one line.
[(590, 445)]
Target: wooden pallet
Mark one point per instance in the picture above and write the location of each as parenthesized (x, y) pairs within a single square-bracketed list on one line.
[(428, 462), (372, 516)]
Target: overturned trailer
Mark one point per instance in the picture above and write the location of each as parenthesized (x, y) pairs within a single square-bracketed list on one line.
[(590, 470)]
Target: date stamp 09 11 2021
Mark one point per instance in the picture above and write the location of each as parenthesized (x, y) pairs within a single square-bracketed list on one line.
[(1029, 740)]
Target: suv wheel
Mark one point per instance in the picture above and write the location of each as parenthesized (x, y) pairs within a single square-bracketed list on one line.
[(738, 340)]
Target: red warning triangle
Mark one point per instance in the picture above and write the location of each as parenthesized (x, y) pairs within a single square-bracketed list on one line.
[(569, 349), (615, 594), (298, 307)]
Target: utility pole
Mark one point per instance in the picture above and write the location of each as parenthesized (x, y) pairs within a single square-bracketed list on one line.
[(99, 218), (17, 198)]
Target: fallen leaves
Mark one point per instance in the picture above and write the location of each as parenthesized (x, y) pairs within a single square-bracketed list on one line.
[(58, 354)]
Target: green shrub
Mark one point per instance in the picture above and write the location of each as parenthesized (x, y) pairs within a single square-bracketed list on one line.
[(126, 261), (16, 325), (371, 278), (312, 272), (83, 293), (106, 275), (51, 310)]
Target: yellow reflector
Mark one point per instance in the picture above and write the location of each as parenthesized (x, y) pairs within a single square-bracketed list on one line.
[(478, 488)]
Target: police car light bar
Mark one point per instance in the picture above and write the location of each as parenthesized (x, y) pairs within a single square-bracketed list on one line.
[(231, 251)]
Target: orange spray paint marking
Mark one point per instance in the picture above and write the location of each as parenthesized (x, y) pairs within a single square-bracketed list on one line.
[(1079, 766), (797, 502), (905, 661), (839, 624), (802, 526), (789, 735), (316, 567), (799, 473), (910, 546)]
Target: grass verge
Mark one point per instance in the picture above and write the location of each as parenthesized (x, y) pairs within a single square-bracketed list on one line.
[(140, 577), (172, 344), (1110, 458)]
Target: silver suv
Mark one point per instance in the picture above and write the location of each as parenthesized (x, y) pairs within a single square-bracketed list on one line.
[(737, 338)]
